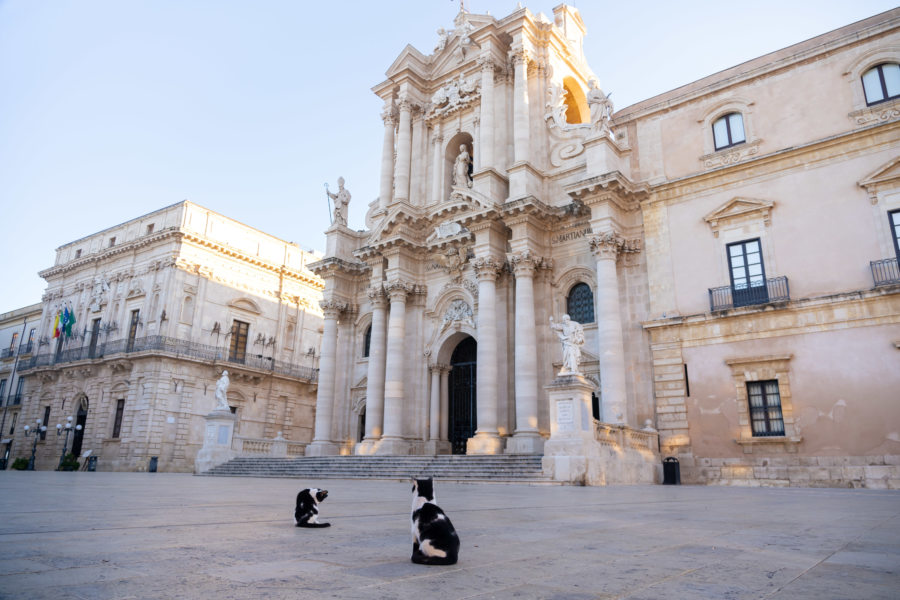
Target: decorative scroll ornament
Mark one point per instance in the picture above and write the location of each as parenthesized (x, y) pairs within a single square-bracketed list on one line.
[(566, 140), (459, 311), (454, 95)]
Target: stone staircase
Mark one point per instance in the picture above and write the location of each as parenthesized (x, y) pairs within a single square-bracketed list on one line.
[(491, 468)]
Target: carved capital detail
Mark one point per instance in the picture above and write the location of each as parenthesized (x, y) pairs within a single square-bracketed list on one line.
[(398, 290), (525, 263), (332, 308), (376, 296), (487, 268), (609, 245)]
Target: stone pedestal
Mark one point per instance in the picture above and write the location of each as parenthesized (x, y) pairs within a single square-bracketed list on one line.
[(323, 449), (340, 242), (217, 438), (486, 443), (525, 443), (435, 447), (604, 156), (392, 447), (524, 180), (491, 184)]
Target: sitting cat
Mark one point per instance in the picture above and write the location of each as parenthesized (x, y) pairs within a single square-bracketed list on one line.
[(435, 541), (306, 514)]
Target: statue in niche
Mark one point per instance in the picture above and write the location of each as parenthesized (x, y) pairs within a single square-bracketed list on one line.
[(222, 392), (601, 108), (98, 293), (461, 177), (341, 202), (571, 336)]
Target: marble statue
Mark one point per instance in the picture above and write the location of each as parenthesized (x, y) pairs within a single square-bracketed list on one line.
[(341, 202), (601, 108), (443, 37), (461, 176), (98, 293), (571, 336), (222, 392)]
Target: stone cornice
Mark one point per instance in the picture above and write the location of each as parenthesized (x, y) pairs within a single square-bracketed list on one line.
[(332, 265), (107, 253), (612, 186)]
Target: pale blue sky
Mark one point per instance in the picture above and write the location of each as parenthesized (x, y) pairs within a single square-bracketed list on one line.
[(110, 109)]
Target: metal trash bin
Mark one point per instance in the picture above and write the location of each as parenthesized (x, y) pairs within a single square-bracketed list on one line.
[(153, 461), (671, 471), (92, 463)]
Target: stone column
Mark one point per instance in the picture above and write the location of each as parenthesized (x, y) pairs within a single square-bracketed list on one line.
[(611, 347), (387, 159), (394, 396), (519, 58), (486, 144), (322, 444), (445, 405), (434, 431), (437, 439), (526, 438), (437, 173), (487, 438), (404, 152), (375, 376)]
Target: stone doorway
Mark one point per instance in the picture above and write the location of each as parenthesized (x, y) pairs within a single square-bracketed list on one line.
[(462, 401), (80, 419)]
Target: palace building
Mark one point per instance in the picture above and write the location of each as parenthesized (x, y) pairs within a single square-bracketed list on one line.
[(730, 248), (156, 308)]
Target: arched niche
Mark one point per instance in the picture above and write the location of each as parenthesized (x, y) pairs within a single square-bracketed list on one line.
[(578, 110), (451, 152)]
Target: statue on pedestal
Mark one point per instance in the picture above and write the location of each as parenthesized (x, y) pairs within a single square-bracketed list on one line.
[(341, 202), (601, 108), (222, 392), (571, 336), (461, 176)]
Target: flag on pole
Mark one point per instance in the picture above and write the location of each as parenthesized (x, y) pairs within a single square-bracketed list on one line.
[(69, 323), (56, 326)]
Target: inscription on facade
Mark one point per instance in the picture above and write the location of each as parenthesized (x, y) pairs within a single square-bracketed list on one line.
[(573, 232), (565, 415)]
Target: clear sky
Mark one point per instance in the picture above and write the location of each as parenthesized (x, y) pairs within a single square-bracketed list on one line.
[(110, 109)]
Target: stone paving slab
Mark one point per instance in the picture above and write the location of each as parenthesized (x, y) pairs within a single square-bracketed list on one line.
[(121, 536)]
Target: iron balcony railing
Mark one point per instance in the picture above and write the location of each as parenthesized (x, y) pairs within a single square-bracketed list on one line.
[(26, 348), (885, 272), (728, 296), (7, 353), (170, 346)]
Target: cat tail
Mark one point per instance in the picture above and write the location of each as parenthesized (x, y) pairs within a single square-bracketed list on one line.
[(313, 525)]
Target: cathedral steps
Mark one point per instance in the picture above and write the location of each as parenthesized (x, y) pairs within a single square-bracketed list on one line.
[(494, 468)]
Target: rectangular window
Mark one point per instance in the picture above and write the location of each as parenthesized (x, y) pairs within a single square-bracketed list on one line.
[(132, 329), (149, 228), (17, 399), (894, 218), (2, 391), (117, 424), (748, 276), (765, 408), (78, 253), (46, 422), (95, 337), (238, 350), (29, 345), (112, 241), (12, 426), (12, 343)]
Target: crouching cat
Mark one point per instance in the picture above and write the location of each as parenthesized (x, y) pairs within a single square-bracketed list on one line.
[(435, 541), (306, 513)]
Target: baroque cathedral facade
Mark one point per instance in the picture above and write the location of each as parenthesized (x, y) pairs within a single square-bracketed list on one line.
[(729, 248)]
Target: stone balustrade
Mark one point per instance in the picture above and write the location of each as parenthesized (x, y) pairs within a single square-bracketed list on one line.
[(277, 447)]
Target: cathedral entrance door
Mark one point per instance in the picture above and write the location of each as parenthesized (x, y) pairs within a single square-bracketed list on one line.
[(462, 418), (80, 419)]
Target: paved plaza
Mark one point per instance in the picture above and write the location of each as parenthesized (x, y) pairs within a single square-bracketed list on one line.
[(156, 535)]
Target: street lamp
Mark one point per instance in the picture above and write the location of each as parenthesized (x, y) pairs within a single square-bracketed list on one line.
[(36, 432), (59, 429)]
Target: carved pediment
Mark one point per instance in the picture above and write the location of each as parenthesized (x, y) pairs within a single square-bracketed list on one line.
[(739, 209), (887, 175), (245, 304)]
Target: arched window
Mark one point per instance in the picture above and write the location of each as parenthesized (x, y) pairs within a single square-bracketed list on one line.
[(729, 131), (580, 303), (881, 83), (367, 341)]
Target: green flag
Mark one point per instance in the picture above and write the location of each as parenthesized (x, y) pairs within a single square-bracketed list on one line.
[(69, 324)]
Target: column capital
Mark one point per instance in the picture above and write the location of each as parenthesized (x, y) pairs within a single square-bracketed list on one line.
[(389, 116), (332, 308), (439, 368), (525, 263), (487, 268), (486, 62), (377, 295), (609, 244), (398, 290), (520, 56)]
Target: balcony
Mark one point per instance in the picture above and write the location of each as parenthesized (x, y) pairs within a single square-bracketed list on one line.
[(885, 272), (170, 347), (26, 348), (7, 353), (727, 297)]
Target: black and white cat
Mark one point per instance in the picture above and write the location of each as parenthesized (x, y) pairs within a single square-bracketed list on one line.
[(306, 514), (435, 541)]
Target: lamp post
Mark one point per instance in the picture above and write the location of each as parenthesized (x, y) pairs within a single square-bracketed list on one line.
[(68, 428), (35, 432)]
